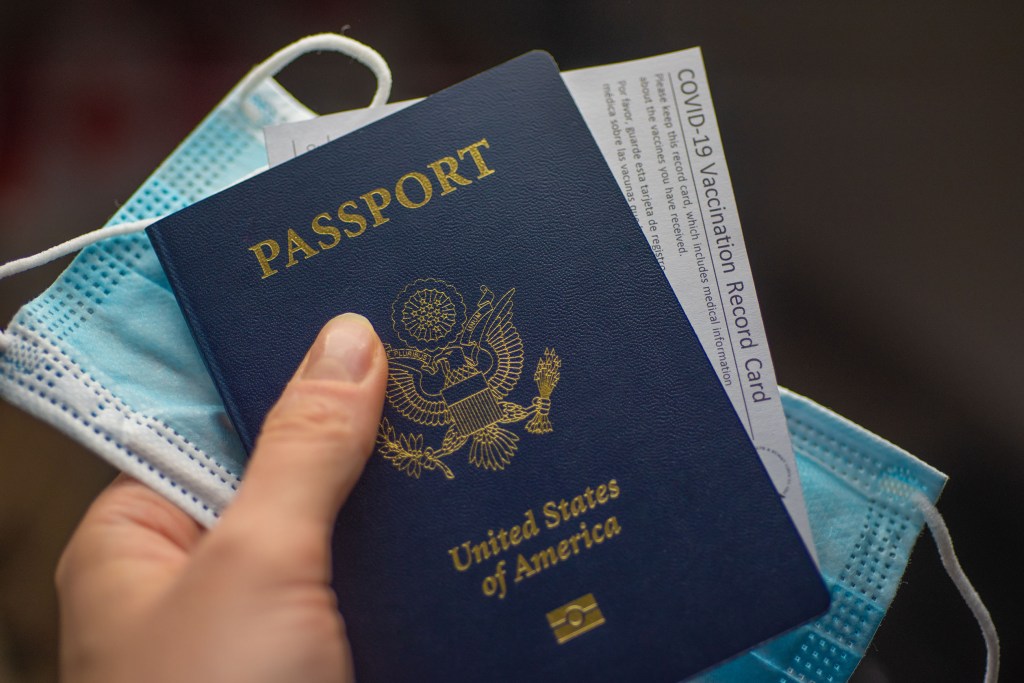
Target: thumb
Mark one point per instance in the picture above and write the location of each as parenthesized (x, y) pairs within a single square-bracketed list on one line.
[(316, 439)]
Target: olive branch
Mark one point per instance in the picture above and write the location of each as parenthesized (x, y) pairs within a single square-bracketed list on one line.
[(406, 451)]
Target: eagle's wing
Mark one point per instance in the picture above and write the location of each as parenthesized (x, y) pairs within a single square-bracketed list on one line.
[(405, 395), (502, 338)]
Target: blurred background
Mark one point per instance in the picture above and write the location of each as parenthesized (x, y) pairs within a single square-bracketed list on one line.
[(876, 154)]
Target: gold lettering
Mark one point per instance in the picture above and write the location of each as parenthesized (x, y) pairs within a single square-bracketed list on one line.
[(575, 539), (588, 537), (481, 552), (403, 198), (551, 515), (273, 249), (296, 243), (530, 528), (523, 569), (613, 489), (328, 230), (544, 559), (493, 542), (578, 506), (586, 534), (354, 218), (474, 151), (602, 494), (376, 207), (376, 201), (444, 177), (612, 528), (460, 564), (446, 171)]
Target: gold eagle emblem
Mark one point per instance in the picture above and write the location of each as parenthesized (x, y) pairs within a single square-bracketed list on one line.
[(455, 370)]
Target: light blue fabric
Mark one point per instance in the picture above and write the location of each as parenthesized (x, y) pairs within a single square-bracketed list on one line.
[(105, 355), (858, 489)]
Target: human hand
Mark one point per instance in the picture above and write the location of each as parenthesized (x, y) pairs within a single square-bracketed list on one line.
[(147, 595)]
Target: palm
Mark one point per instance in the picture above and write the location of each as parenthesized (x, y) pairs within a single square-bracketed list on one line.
[(147, 595), (265, 618)]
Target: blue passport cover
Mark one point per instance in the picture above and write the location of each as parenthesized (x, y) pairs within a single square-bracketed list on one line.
[(561, 489)]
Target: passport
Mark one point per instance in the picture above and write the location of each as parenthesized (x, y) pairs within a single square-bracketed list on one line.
[(560, 489)]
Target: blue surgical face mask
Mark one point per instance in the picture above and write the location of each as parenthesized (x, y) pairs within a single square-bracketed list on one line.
[(864, 499), (105, 356)]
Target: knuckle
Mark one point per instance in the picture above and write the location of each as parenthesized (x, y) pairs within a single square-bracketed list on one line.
[(275, 552)]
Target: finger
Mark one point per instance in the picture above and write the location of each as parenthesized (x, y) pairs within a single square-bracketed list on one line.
[(127, 507), (129, 546), (315, 441)]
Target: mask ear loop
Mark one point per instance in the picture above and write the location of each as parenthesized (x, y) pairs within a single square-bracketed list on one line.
[(266, 69), (943, 541), (331, 42)]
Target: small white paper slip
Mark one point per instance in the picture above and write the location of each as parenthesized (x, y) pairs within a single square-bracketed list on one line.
[(655, 125)]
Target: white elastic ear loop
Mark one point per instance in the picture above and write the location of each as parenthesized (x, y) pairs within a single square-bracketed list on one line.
[(82, 241), (75, 245), (332, 42), (266, 69), (943, 541), (69, 247)]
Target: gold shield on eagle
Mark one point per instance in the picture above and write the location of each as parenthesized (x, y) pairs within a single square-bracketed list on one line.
[(455, 370)]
